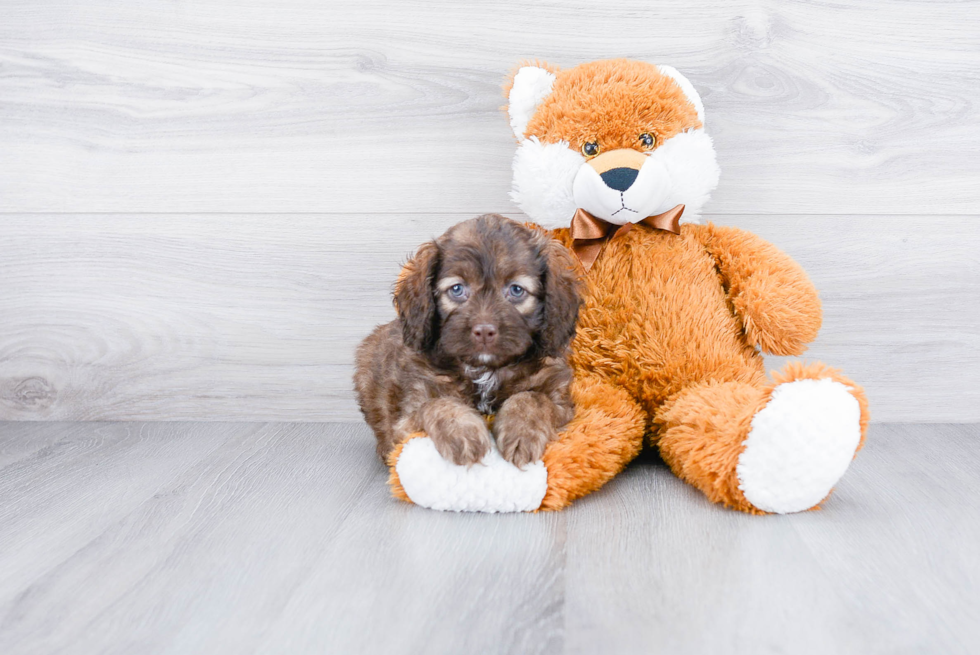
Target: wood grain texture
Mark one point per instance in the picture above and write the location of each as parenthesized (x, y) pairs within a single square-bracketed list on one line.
[(236, 530), (245, 538), (380, 106), (225, 317), (311, 146), (91, 477), (889, 565), (429, 582)]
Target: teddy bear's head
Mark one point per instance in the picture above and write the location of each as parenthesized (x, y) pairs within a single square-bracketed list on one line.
[(621, 139)]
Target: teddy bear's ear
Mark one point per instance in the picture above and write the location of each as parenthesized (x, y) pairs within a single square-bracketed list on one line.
[(530, 85), (686, 87)]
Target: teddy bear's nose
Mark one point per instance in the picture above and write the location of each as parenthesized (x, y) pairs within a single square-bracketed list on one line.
[(620, 178)]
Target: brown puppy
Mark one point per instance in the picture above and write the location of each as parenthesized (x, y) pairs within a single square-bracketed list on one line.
[(485, 316)]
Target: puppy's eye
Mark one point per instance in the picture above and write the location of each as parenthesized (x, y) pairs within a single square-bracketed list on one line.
[(457, 291), (516, 291), (590, 149), (648, 141)]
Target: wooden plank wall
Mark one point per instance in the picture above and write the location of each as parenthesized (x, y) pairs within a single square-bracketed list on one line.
[(203, 205)]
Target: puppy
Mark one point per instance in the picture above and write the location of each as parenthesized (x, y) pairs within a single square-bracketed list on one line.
[(486, 313)]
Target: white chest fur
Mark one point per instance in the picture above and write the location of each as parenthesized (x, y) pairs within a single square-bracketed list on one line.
[(486, 383)]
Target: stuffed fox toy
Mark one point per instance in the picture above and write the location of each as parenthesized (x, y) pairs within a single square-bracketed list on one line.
[(613, 158)]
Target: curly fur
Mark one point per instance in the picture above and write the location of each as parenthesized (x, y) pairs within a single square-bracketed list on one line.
[(434, 369)]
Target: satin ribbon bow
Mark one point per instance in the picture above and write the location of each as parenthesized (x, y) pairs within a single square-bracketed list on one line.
[(589, 233)]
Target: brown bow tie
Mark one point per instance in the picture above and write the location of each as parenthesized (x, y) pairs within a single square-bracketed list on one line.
[(590, 233)]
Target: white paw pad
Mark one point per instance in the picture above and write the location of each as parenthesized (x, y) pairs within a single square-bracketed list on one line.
[(799, 446), (493, 485)]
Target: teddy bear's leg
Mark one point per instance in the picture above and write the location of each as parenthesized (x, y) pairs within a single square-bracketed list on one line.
[(778, 447), (605, 434)]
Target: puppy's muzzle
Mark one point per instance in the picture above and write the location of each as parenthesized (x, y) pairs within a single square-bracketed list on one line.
[(484, 334), (618, 168)]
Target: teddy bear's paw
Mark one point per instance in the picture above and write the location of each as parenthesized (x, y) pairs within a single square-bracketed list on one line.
[(492, 485), (799, 445)]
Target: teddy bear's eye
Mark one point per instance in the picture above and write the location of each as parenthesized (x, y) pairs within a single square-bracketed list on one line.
[(648, 141), (590, 149)]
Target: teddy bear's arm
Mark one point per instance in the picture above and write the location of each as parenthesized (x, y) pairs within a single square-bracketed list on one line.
[(771, 293)]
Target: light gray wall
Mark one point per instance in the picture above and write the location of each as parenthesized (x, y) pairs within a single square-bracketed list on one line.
[(203, 205)]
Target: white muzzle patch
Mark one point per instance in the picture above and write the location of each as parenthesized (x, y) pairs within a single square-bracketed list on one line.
[(609, 198), (551, 181)]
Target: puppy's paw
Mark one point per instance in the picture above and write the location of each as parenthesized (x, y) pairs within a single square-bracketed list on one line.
[(523, 428), (460, 436)]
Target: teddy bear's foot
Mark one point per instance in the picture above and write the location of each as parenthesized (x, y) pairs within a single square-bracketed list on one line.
[(760, 447), (420, 475), (799, 445), (606, 433)]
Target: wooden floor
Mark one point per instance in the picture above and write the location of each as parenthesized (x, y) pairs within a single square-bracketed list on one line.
[(281, 538)]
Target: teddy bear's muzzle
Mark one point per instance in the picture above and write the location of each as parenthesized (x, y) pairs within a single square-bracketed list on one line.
[(620, 179), (621, 186)]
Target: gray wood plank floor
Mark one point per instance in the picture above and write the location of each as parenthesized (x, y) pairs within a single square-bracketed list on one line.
[(281, 538)]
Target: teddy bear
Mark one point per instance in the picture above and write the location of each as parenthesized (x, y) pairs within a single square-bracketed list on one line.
[(613, 159)]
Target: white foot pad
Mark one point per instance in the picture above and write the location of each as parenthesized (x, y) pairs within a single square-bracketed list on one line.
[(799, 446), (493, 485)]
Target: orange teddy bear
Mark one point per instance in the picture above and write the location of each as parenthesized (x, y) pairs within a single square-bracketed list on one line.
[(614, 159)]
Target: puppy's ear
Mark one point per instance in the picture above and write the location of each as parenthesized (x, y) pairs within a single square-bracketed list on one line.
[(415, 301), (561, 298)]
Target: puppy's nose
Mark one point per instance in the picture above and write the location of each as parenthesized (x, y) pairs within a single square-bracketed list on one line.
[(620, 178), (485, 334)]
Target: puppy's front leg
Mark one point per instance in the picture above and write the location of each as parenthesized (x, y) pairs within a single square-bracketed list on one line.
[(458, 431), (525, 424)]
